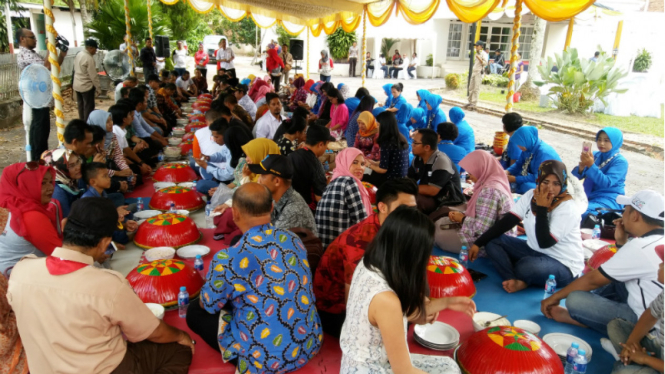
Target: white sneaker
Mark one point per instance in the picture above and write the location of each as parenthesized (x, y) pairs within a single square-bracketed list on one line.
[(609, 347)]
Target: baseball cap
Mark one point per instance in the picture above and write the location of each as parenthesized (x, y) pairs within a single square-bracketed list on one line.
[(648, 202), (659, 251), (277, 165), (480, 43), (316, 133)]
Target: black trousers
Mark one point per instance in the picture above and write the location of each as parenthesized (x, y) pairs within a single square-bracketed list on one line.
[(86, 103), (147, 72), (275, 81), (40, 129), (203, 323), (352, 66), (368, 69), (394, 72)]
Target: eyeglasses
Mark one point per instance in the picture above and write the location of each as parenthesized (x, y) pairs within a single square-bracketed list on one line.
[(415, 143), (30, 166)]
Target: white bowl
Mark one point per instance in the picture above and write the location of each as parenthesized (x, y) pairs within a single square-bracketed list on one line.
[(586, 234), (191, 251), (527, 325), (179, 131), (159, 185), (183, 212), (159, 253), (156, 309), (190, 185), (480, 318), (145, 214), (182, 121), (175, 141), (172, 152)]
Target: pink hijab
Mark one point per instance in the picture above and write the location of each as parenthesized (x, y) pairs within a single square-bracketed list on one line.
[(263, 91), (490, 174), (343, 162)]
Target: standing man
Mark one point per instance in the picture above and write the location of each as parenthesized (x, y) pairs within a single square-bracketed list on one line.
[(180, 59), (288, 62), (149, 59), (40, 125), (86, 81), (413, 65), (226, 56), (124, 47), (480, 61), (353, 59)]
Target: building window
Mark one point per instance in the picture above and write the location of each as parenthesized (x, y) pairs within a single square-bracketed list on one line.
[(526, 34), (483, 37), (500, 39), (454, 40)]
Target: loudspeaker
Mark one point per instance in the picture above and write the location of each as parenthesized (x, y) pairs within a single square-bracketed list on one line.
[(162, 48), (296, 48)]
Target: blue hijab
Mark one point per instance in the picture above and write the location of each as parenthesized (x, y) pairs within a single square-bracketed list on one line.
[(616, 137), (527, 137), (99, 117), (351, 104), (246, 81), (419, 114), (319, 97), (466, 138), (422, 93), (403, 119), (435, 116), (387, 89), (378, 110)]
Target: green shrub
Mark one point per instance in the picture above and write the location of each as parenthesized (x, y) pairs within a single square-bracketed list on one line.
[(452, 81), (642, 61), (339, 43), (495, 80), (430, 60)]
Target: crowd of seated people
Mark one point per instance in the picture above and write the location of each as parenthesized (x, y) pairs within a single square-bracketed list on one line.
[(263, 162)]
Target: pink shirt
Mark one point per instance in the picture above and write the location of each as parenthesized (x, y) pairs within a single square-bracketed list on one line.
[(339, 114), (201, 58)]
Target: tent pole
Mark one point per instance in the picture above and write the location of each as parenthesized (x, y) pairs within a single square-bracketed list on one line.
[(149, 18), (517, 23), (617, 40), (10, 32), (364, 53), (307, 66), (55, 70), (128, 31), (569, 33)]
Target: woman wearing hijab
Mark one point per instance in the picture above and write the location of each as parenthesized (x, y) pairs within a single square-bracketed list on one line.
[(254, 90), (345, 201), (418, 118), (275, 66), (465, 137), (368, 133), (299, 96), (551, 220), (111, 149), (33, 223), (604, 172), (491, 200), (421, 95), (387, 89), (312, 96), (325, 66), (366, 105), (261, 95), (353, 102), (524, 172), (378, 110), (201, 59), (435, 114), (403, 116), (344, 90), (394, 152), (339, 114), (67, 165)]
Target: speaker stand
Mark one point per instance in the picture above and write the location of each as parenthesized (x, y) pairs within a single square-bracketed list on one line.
[(297, 67)]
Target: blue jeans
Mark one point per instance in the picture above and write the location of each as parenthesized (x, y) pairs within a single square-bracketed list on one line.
[(385, 71), (597, 308), (180, 71), (324, 78), (514, 259), (523, 187), (206, 183), (409, 70), (194, 166), (494, 68), (619, 330)]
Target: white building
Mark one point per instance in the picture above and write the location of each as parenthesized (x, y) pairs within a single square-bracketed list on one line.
[(63, 23)]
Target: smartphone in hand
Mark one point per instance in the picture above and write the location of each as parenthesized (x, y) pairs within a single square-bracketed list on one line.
[(586, 147)]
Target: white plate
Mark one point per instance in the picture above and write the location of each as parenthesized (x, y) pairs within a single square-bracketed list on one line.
[(528, 326), (437, 333), (183, 212), (159, 185), (145, 214), (191, 251), (479, 319), (466, 185), (561, 342), (159, 253), (594, 244), (190, 185)]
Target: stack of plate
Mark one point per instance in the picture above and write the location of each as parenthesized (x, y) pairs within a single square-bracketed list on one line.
[(561, 342), (438, 336)]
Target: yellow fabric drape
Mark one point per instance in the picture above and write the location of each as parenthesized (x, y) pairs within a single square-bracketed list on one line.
[(262, 23), (418, 17), (201, 7), (472, 11), (290, 30), (232, 19), (330, 27), (378, 16), (557, 10)]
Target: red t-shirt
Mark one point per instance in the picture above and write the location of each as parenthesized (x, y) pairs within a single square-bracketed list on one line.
[(339, 262)]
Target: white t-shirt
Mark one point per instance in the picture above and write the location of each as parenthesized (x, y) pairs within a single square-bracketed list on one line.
[(135, 52), (120, 134), (382, 61), (564, 222), (117, 91), (180, 58), (225, 54), (266, 126), (414, 61), (636, 265), (184, 84), (208, 146)]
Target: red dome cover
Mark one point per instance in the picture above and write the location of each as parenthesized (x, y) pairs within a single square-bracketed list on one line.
[(507, 350), (205, 96), (193, 126), (600, 257), (188, 136), (447, 277), (372, 192), (182, 197), (173, 172), (159, 281), (197, 117), (167, 230), (201, 106)]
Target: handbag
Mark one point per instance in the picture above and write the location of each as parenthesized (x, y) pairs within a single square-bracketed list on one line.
[(604, 218)]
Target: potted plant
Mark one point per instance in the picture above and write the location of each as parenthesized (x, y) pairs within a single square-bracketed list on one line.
[(642, 61)]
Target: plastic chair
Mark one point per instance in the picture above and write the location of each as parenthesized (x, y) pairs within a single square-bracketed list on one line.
[(377, 74)]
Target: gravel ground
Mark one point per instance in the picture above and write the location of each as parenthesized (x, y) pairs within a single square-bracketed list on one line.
[(644, 172)]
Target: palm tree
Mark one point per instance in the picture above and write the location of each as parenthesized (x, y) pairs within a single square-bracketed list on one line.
[(108, 26), (386, 46)]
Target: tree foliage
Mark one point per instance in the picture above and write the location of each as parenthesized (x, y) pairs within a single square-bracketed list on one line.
[(283, 37), (16, 23), (642, 61), (108, 24), (339, 43), (386, 46), (185, 24), (243, 32)]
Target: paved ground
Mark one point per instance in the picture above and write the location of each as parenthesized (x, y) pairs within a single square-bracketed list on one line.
[(644, 172)]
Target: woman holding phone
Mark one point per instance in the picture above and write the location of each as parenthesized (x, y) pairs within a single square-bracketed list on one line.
[(604, 172)]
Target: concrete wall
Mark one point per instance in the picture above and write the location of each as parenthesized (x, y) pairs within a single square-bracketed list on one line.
[(63, 24)]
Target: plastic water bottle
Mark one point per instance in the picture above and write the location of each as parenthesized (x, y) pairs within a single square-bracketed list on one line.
[(130, 183), (462, 178), (198, 264), (550, 287), (326, 166), (464, 256), (209, 223), (160, 156), (183, 302), (596, 232), (571, 355), (580, 362), (173, 209), (139, 204)]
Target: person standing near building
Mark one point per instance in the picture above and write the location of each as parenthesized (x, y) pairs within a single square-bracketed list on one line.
[(149, 59), (40, 124), (180, 58), (287, 58), (480, 61), (353, 59), (226, 56), (86, 82)]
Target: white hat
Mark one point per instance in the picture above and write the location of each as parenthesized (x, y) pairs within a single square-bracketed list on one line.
[(648, 202)]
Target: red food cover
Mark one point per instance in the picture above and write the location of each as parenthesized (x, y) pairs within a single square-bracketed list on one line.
[(205, 96), (188, 136), (372, 192), (507, 350), (167, 230), (174, 172), (600, 257), (182, 197), (447, 277), (159, 281), (193, 126)]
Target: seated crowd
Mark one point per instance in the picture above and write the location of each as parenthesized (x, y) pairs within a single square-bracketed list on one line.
[(265, 165)]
